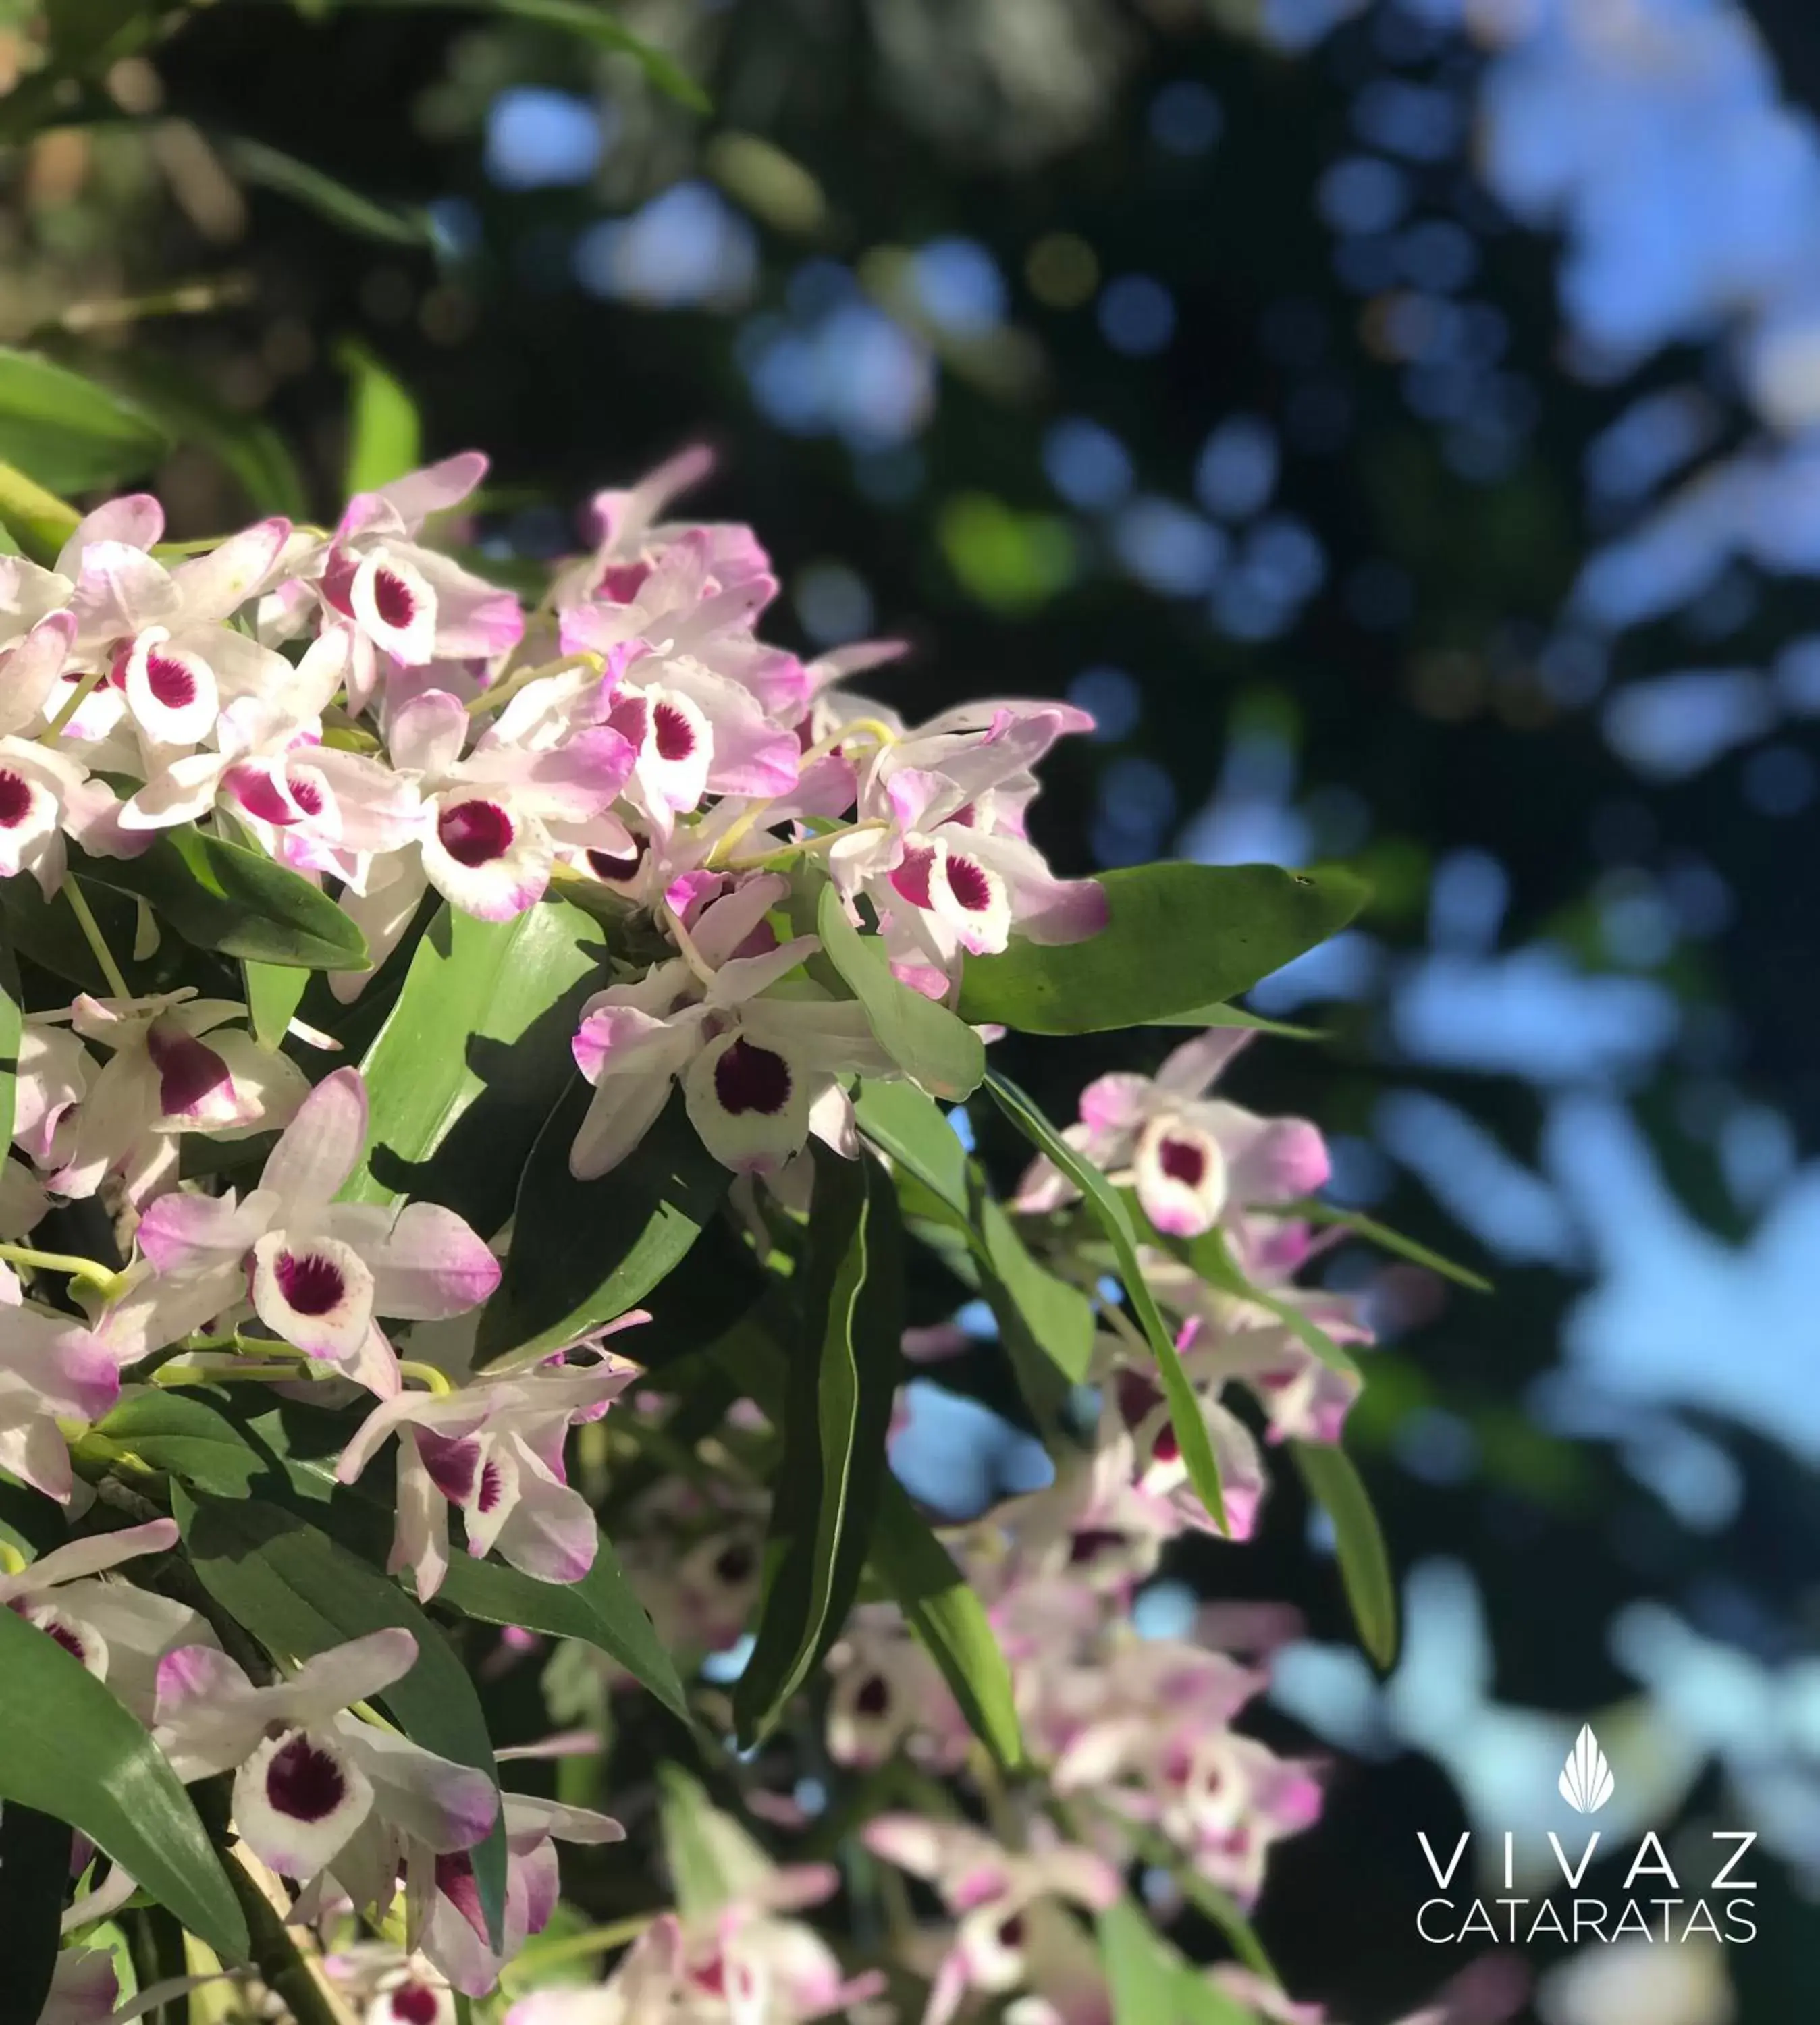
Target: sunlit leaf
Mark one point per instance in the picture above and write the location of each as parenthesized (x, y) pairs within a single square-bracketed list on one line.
[(843, 1375), (298, 1593), (72, 1751), (67, 433), (1179, 938)]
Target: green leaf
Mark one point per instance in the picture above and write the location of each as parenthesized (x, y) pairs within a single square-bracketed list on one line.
[(1140, 1967), (184, 1436), (269, 168), (274, 993), (1110, 1212), (1386, 1240), (47, 931), (385, 435), (1179, 938), (12, 1031), (842, 1382), (591, 22), (181, 403), (66, 433), (1237, 1016), (583, 1252), (473, 1054), (1209, 1256), (601, 1609), (1200, 2001), (948, 1620), (694, 1835), (912, 1565), (73, 1752), (925, 1040), (34, 1850), (1046, 1325), (289, 1452), (298, 1593), (38, 522), (222, 896), (1336, 1487)]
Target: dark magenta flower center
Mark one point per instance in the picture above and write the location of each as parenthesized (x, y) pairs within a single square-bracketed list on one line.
[(674, 734), (969, 885), (170, 681), (311, 1285), (751, 1078), (15, 800), (1183, 1161), (475, 832), (392, 597), (303, 1781)]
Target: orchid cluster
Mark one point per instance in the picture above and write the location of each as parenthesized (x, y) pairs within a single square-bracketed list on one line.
[(410, 992)]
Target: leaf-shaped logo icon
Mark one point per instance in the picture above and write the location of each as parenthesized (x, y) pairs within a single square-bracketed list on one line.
[(1586, 1780)]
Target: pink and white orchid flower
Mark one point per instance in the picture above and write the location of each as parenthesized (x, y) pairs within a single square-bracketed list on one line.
[(318, 1272), (307, 1773), (494, 1450)]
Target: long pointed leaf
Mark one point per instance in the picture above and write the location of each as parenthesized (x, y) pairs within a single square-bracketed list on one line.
[(1179, 938), (299, 1592), (843, 1381), (1365, 1567), (1113, 1218), (583, 1252), (72, 1751)]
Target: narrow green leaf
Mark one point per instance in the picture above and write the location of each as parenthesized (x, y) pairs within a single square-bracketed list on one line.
[(222, 896), (12, 1030), (473, 1054), (583, 1252), (1237, 1016), (1199, 2001), (842, 1382), (39, 521), (1336, 1486), (1046, 1325), (288, 1453), (185, 1434), (34, 1851), (934, 1048), (385, 435), (298, 1593), (1210, 1256), (948, 1620), (1140, 1967), (274, 993), (73, 1752), (687, 1823), (591, 22), (601, 1609), (912, 1565), (1179, 938), (270, 168), (185, 407), (1113, 1218), (1387, 1239), (67, 433)]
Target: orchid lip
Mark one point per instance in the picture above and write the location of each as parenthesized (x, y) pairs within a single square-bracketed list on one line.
[(311, 1283), (303, 1781), (15, 800), (475, 834), (748, 1077)]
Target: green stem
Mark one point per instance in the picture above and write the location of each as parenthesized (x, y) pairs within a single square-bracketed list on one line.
[(807, 847), (39, 520), (280, 1963), (92, 934), (576, 1947), (71, 704), (102, 1276)]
